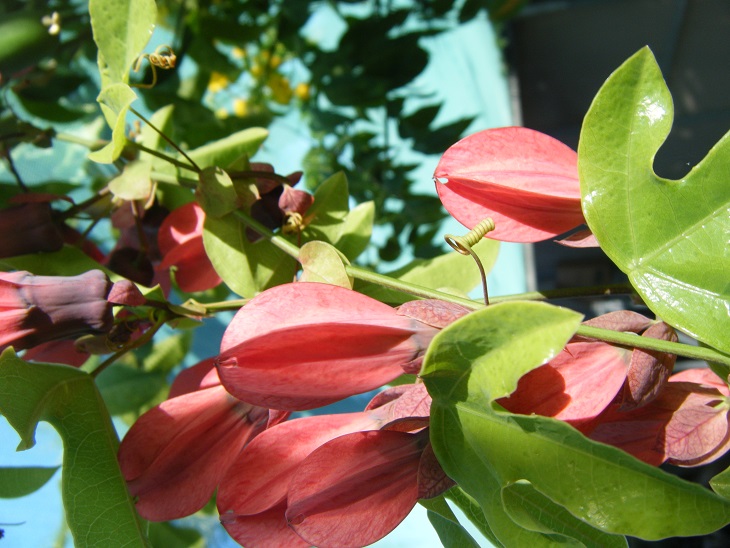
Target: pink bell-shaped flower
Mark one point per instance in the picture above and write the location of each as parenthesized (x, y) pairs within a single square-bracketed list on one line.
[(175, 454), (526, 181), (181, 244), (304, 345)]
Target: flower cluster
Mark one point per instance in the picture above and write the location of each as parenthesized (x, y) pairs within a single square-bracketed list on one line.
[(312, 480)]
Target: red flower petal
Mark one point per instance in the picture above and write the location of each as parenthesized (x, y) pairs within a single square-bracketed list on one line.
[(575, 386), (268, 529), (304, 345), (259, 480), (355, 489), (527, 182), (176, 453)]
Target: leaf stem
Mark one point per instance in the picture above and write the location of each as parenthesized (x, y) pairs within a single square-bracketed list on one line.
[(632, 340), (142, 340), (166, 138), (163, 156), (173, 179)]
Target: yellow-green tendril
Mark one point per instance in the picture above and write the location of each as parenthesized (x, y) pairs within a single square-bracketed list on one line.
[(463, 244)]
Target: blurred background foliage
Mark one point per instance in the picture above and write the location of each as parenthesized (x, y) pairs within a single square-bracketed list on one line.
[(242, 64)]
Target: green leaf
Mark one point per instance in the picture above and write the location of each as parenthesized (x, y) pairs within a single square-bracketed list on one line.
[(329, 210), (68, 399), (532, 510), (115, 101), (126, 389), (447, 526), (479, 359), (670, 237), (215, 192), (19, 482), (226, 151), (451, 272), (121, 30), (322, 263), (134, 183), (246, 267), (171, 536), (356, 230), (721, 483), (472, 511)]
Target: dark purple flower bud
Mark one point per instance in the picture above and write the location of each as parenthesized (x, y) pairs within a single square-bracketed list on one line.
[(36, 309), (28, 228)]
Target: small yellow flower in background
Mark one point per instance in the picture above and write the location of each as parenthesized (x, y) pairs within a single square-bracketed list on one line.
[(281, 90), (256, 70), (221, 113), (302, 91), (217, 82), (240, 107), (238, 53)]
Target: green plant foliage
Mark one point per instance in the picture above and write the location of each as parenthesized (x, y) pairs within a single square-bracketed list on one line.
[(115, 101), (215, 192), (447, 526), (21, 481), (670, 237), (473, 511), (480, 359), (327, 214), (246, 267), (121, 30), (69, 400), (227, 150), (721, 483), (321, 262), (134, 183), (357, 229), (126, 389), (534, 511)]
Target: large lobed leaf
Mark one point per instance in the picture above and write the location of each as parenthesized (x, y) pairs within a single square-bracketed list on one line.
[(99, 510), (670, 237), (530, 474)]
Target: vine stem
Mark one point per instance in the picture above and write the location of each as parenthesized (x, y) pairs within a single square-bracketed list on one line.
[(597, 333), (141, 341), (647, 343)]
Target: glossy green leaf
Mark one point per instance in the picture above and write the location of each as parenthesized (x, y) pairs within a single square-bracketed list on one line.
[(121, 30), (19, 482), (479, 359), (450, 272), (115, 101), (134, 183), (215, 192), (321, 262), (451, 533), (246, 267), (670, 237), (226, 151), (68, 399), (532, 510)]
